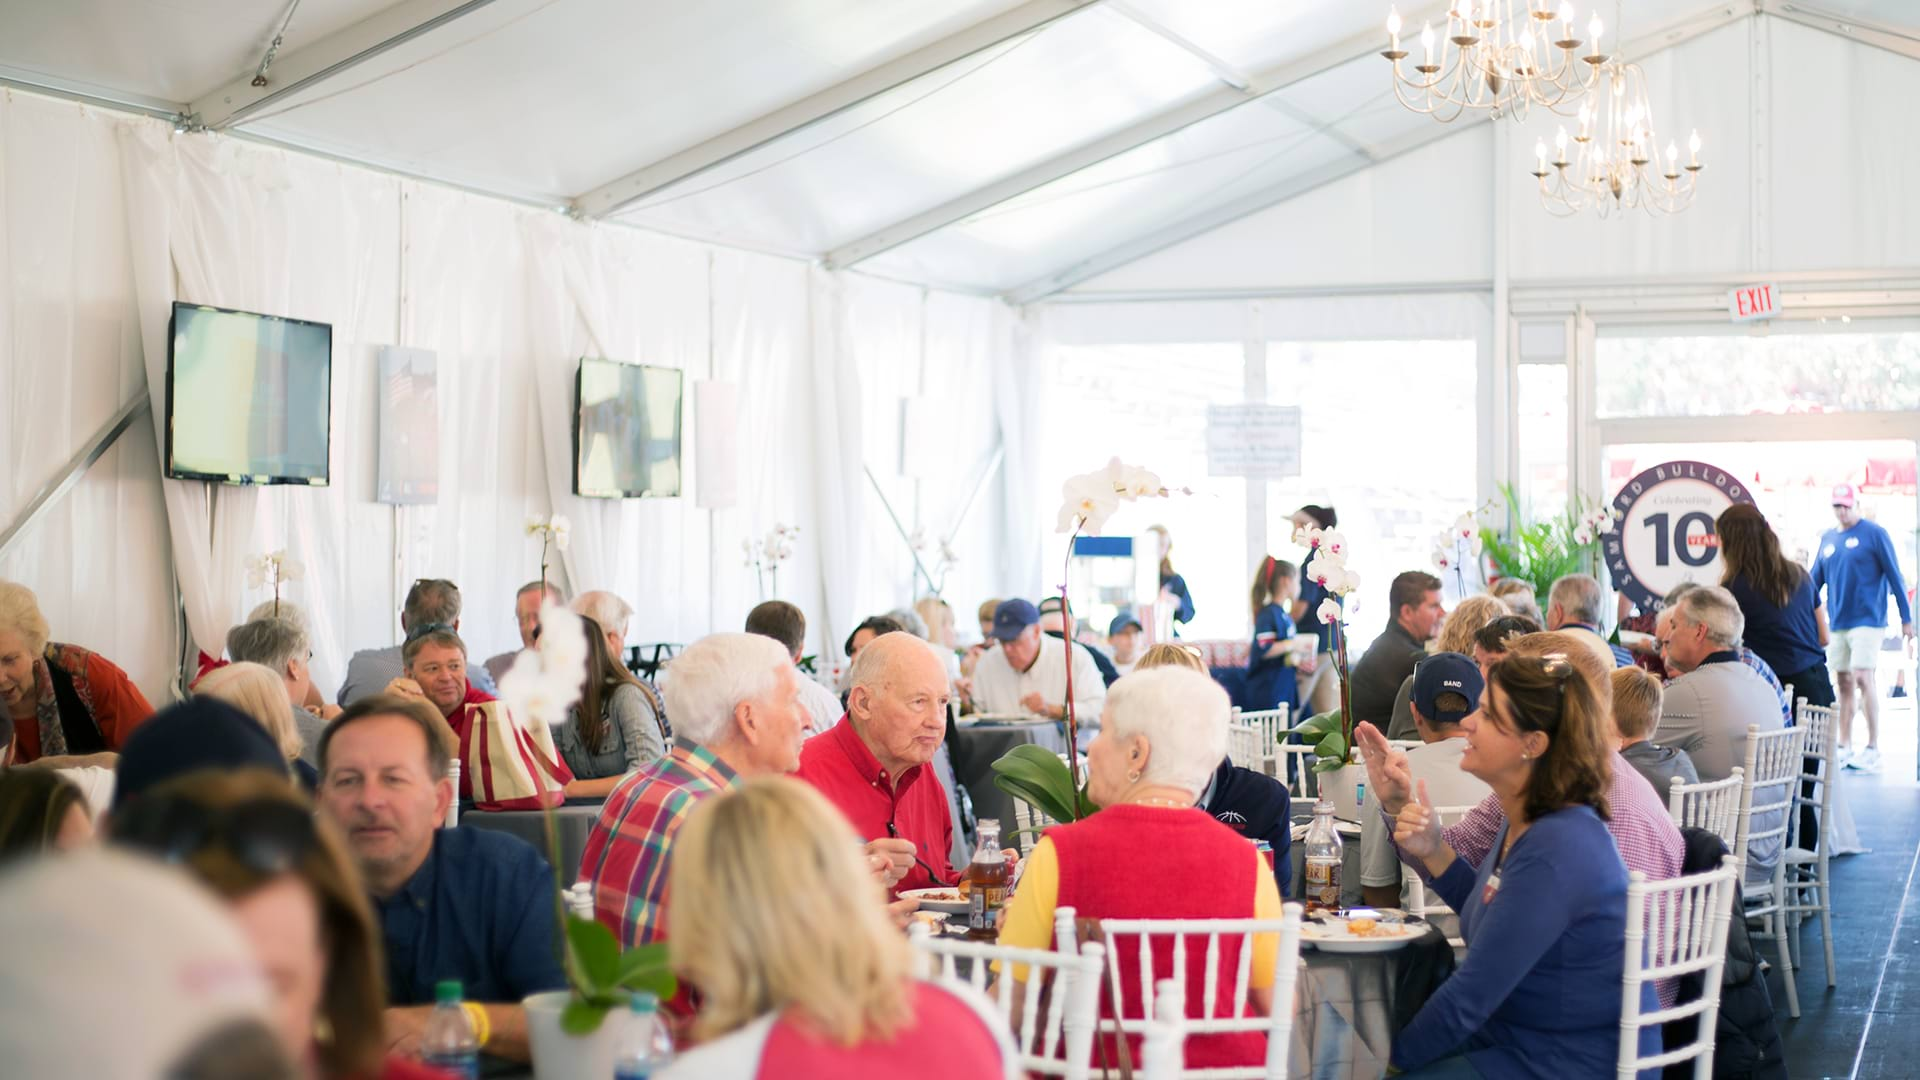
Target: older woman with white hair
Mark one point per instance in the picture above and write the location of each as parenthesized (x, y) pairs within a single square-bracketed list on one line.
[(1150, 853), (66, 701)]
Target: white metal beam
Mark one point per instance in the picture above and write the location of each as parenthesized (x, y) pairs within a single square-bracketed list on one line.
[(1894, 40), (1156, 126), (308, 66), (1665, 38), (694, 160)]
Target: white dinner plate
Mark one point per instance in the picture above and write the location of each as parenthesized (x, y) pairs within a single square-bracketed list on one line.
[(1002, 719), (1329, 933), (948, 901)]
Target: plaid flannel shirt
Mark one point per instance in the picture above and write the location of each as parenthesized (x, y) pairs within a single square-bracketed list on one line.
[(629, 850)]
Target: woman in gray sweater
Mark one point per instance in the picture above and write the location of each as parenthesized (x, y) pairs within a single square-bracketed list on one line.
[(617, 728)]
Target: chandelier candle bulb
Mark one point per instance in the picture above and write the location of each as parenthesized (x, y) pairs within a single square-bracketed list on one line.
[(1693, 150), (1426, 44), (1593, 32), (1393, 28)]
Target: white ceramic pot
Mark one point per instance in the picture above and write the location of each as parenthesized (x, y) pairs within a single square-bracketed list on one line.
[(560, 1056)]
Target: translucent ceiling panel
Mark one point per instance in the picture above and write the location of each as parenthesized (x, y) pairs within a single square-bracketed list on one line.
[(1357, 100), (937, 137), (553, 99), (1237, 155), (169, 51), (1255, 34)]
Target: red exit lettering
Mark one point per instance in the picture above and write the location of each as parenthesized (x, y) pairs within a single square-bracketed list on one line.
[(1751, 302)]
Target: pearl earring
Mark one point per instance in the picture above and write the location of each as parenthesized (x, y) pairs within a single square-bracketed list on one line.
[(1133, 777)]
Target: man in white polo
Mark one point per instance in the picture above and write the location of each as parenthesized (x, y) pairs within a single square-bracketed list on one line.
[(1857, 567), (1028, 673)]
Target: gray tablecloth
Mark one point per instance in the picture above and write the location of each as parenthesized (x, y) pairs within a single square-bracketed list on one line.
[(1348, 1006), (975, 748), (573, 822)]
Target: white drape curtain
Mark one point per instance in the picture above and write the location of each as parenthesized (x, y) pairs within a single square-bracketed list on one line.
[(108, 219)]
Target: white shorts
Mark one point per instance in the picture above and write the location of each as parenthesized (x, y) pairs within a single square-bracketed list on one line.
[(1857, 649)]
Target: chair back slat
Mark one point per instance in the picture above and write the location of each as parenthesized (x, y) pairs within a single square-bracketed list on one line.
[(1819, 766), (1141, 934), (1244, 746), (1772, 773), (1713, 805), (1058, 1043), (1163, 1048), (1674, 928)]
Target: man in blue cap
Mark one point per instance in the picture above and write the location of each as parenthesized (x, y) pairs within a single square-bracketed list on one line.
[(1127, 638), (1446, 690), (1028, 673)]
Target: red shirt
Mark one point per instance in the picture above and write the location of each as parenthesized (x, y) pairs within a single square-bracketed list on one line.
[(847, 773)]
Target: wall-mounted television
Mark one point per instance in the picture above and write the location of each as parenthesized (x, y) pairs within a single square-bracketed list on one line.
[(626, 430), (249, 397)]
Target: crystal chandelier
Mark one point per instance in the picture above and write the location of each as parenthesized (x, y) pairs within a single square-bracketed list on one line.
[(1503, 56), (1616, 161)]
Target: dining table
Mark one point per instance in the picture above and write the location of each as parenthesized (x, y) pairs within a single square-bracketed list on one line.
[(976, 744)]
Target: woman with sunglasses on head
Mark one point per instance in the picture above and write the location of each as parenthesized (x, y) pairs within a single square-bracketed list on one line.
[(249, 836), (1541, 998)]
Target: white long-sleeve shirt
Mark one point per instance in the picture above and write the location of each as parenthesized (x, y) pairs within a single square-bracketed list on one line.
[(997, 688)]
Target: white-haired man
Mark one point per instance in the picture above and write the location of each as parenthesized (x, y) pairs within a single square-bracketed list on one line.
[(735, 703), (283, 647), (1573, 604), (1706, 709), (612, 613), (526, 613), (876, 765)]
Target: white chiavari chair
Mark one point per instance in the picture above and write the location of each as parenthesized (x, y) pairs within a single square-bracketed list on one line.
[(1675, 928)]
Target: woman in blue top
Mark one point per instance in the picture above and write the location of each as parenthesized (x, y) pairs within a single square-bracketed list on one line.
[(1544, 915), (1270, 679), (1173, 587), (1320, 689), (1785, 625)]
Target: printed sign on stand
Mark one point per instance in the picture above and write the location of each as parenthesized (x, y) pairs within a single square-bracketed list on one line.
[(1255, 441), (1663, 532)]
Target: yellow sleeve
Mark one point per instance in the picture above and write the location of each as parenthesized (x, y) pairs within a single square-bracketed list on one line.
[(1266, 905), (1028, 922)]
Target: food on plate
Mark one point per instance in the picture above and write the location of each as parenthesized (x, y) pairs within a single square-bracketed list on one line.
[(938, 896), (932, 920), (965, 887), (1362, 927)]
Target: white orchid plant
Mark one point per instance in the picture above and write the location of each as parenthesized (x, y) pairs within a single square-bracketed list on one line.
[(542, 686), (1460, 545), (1033, 774), (1331, 733), (936, 557), (554, 531), (275, 569), (764, 558)]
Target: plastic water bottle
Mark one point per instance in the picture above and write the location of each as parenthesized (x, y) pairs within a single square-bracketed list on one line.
[(647, 1047), (450, 1044)]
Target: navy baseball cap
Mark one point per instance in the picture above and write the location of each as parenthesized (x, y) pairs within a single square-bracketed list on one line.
[(1012, 618), (1123, 621), (1446, 673)]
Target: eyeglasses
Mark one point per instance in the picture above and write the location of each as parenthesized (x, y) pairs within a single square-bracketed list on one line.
[(267, 836)]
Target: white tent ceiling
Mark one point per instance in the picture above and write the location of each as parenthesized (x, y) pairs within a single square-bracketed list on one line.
[(991, 145)]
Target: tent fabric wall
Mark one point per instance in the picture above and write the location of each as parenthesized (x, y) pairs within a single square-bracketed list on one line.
[(109, 218)]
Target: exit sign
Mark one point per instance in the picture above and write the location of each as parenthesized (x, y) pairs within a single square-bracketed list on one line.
[(1750, 302)]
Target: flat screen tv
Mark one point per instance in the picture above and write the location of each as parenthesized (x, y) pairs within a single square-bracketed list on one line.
[(248, 397), (626, 431)]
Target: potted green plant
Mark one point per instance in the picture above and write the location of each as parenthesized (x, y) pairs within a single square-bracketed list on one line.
[(1540, 552), (569, 1029)]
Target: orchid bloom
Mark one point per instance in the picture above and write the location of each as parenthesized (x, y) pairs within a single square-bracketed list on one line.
[(1329, 611), (544, 682)]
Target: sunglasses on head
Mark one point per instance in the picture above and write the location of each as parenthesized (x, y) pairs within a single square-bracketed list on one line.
[(267, 836)]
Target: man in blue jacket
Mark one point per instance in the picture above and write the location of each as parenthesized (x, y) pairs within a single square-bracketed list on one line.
[(1857, 567)]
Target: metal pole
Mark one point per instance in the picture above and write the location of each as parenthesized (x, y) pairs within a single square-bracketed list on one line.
[(905, 538), (76, 467)]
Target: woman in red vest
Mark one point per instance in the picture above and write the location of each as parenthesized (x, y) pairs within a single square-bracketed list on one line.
[(1151, 854)]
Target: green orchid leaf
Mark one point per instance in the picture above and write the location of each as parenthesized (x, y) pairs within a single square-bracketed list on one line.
[(1328, 765), (644, 967), (583, 1017), (1318, 725), (1055, 803), (1334, 746), (595, 950)]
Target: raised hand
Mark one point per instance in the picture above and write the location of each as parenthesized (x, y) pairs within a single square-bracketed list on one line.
[(1387, 769), (1417, 828)]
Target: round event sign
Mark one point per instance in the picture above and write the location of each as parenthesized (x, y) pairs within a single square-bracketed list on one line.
[(1663, 532)]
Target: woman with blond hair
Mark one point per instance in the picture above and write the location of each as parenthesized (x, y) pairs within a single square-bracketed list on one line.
[(285, 875), (66, 701), (1456, 636), (256, 691), (779, 924)]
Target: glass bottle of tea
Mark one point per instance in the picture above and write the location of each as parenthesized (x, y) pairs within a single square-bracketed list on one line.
[(986, 878), (1324, 855)]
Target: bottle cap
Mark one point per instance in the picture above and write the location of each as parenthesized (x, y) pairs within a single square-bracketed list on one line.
[(643, 1002), (447, 992), (1323, 806)]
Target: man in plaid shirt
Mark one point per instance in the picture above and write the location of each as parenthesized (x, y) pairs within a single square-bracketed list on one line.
[(735, 703), (737, 713)]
